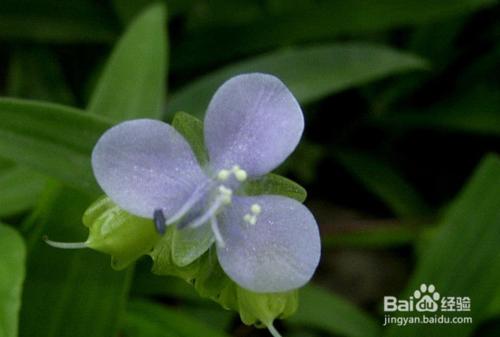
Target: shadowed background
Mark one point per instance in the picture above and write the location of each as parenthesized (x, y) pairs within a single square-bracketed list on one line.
[(402, 108)]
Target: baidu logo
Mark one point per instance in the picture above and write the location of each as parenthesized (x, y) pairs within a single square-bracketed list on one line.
[(426, 299)]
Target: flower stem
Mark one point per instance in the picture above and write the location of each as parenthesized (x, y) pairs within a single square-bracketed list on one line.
[(273, 331)]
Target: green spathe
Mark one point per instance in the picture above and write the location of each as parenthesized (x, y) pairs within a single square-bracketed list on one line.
[(124, 236)]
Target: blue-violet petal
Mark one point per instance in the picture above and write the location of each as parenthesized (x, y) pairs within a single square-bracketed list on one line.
[(253, 121), (144, 165), (278, 252)]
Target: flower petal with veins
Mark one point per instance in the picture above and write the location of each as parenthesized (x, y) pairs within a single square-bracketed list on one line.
[(252, 121), (144, 165), (278, 253)]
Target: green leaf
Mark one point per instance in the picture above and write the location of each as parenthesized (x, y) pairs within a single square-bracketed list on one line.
[(304, 161), (494, 308), (319, 20), (322, 309), (275, 184), (147, 284), (385, 182), (12, 265), (132, 84), (53, 139), (33, 73), (463, 258), (122, 235), (20, 189), (311, 73), (69, 293), (210, 313), (436, 43), (55, 21), (148, 319)]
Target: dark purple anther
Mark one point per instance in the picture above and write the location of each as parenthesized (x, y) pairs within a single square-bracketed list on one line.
[(159, 220)]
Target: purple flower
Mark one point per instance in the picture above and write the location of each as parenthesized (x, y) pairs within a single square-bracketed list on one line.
[(266, 243)]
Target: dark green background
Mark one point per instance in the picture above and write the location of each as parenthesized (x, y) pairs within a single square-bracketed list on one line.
[(402, 107)]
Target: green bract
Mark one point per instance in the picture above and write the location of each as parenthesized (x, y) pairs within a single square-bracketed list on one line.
[(124, 236)]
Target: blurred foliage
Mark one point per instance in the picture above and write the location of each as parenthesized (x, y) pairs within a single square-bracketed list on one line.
[(12, 265), (402, 107)]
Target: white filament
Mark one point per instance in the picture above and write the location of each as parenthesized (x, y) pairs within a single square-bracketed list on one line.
[(215, 229), (192, 200), (223, 197), (65, 245)]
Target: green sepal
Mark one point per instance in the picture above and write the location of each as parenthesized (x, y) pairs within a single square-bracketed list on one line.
[(259, 309), (275, 184), (262, 309), (192, 130), (189, 244), (163, 262), (122, 235)]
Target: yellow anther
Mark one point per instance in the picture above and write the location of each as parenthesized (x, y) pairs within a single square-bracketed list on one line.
[(241, 175), (223, 175), (226, 194), (250, 218), (224, 190), (256, 209)]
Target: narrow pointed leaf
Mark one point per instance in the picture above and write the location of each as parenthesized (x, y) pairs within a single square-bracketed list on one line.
[(69, 293), (321, 309), (20, 189), (33, 73), (53, 139), (149, 319), (133, 82), (463, 258)]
